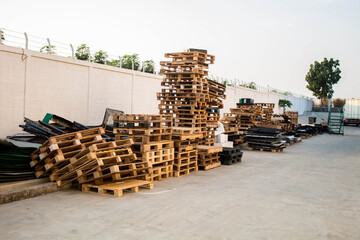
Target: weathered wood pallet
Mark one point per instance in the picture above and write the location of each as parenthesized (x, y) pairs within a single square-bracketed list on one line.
[(44, 166), (95, 159), (145, 138), (141, 118), (204, 150), (182, 172), (187, 137), (266, 149), (209, 166), (162, 172), (114, 173), (138, 147), (162, 157), (151, 131), (118, 188), (114, 145), (179, 155), (186, 161), (92, 162)]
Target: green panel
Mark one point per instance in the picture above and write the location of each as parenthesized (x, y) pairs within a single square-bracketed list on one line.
[(47, 117)]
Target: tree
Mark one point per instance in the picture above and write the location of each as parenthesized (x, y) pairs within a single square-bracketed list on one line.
[(321, 78), (284, 103), (126, 61), (82, 52), (287, 93), (47, 49), (114, 63), (148, 66), (100, 57), (252, 85), (338, 102), (225, 82)]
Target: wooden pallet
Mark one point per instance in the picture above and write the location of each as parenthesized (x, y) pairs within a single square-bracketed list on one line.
[(139, 147), (265, 149), (141, 118), (145, 138), (60, 158), (160, 173), (208, 149), (92, 162), (161, 157), (151, 131), (210, 166), (115, 173), (181, 172), (117, 188), (187, 137)]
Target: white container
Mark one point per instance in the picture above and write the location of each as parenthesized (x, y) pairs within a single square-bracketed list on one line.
[(352, 109)]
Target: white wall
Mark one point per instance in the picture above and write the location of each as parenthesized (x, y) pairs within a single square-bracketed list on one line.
[(33, 84)]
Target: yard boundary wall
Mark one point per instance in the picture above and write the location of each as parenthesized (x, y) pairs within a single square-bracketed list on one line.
[(34, 83)]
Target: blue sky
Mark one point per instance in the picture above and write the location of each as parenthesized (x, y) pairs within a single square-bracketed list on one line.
[(269, 42)]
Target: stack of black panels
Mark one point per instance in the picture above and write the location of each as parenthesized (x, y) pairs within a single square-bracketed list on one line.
[(265, 138), (230, 155)]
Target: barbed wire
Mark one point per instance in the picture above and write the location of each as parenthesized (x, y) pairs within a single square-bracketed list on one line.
[(32, 42)]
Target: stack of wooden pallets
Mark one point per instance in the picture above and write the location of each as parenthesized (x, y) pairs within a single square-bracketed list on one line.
[(186, 141), (294, 117), (193, 100), (57, 151), (208, 157), (266, 114), (215, 103), (152, 136), (241, 118), (94, 165)]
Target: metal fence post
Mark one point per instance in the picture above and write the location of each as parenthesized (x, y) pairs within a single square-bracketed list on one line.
[(72, 51), (88, 49), (26, 41), (132, 63), (48, 40), (120, 61)]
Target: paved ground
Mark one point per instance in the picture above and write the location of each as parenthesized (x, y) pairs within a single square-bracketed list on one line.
[(311, 191)]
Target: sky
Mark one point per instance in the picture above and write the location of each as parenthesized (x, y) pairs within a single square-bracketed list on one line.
[(270, 42)]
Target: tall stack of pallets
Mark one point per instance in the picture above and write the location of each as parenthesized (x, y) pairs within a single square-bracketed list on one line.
[(215, 103), (192, 100), (152, 136), (186, 91)]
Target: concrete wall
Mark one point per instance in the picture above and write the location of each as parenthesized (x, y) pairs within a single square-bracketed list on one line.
[(33, 84)]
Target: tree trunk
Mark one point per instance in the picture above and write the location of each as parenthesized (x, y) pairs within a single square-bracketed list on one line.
[(321, 102)]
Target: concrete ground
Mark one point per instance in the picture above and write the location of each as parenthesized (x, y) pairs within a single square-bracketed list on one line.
[(311, 191)]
